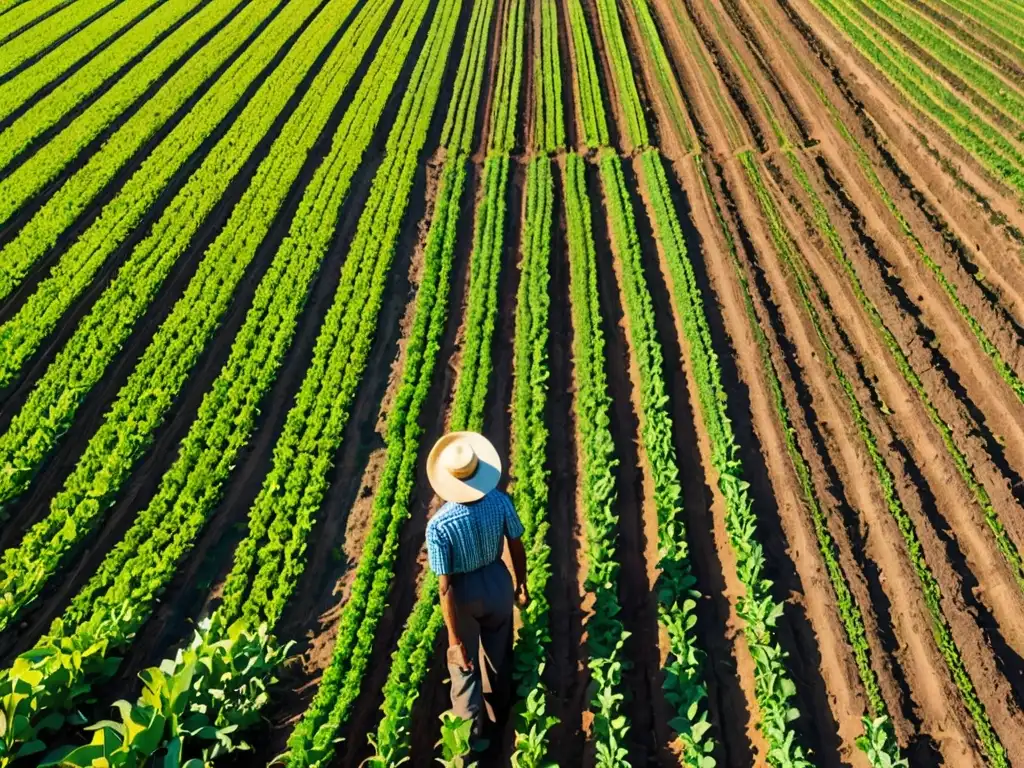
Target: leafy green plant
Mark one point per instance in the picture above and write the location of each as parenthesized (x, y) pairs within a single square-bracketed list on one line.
[(50, 49), (229, 413), (527, 463), (634, 132), (606, 635), (455, 741), (195, 703), (676, 585), (589, 99)]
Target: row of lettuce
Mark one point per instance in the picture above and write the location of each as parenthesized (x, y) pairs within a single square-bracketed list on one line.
[(80, 648)]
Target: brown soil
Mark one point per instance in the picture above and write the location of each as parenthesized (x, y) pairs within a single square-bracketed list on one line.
[(754, 97)]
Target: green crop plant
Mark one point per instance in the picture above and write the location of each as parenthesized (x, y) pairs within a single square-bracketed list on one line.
[(827, 230), (635, 130), (47, 112), (145, 270), (606, 635), (588, 86), (879, 742), (268, 563), (47, 50), (549, 127), (527, 464), (150, 391), (676, 585), (17, 91)]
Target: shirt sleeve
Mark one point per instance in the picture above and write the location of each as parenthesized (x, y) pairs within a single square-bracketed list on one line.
[(513, 525), (439, 551)]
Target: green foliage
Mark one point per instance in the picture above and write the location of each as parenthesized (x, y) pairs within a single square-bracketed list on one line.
[(455, 741), (54, 400), (931, 591), (197, 701), (415, 652), (43, 113), (606, 634), (953, 56), (508, 81), (129, 207), (828, 232), (676, 592), (16, 18), (634, 132), (49, 110), (589, 98), (119, 597), (549, 126), (989, 145), (48, 50), (673, 98), (228, 413), (527, 463)]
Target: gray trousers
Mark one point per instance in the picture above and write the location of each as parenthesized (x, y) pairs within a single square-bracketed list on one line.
[(483, 600)]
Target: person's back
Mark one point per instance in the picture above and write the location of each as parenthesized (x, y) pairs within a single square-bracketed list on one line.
[(464, 546), (473, 532)]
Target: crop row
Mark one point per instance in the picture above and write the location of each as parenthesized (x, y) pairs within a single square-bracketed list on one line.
[(528, 457), (879, 741), (161, 372), (708, 75), (992, 149), (79, 263), (39, 38), (507, 82), (74, 196), (480, 318), (824, 225), (16, 15), (676, 585), (549, 126), (118, 598), (312, 741), (952, 56), (930, 589), (1004, 370), (829, 234), (80, 86), (54, 400), (15, 92), (589, 99), (991, 19), (707, 373), (663, 72), (606, 635), (412, 658), (635, 134)]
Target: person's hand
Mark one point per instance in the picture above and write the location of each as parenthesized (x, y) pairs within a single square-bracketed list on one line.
[(457, 653), (522, 595)]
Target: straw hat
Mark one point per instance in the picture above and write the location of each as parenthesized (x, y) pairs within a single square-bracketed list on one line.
[(463, 467)]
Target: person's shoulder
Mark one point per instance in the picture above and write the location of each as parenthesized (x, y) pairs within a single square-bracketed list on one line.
[(498, 496), (445, 513)]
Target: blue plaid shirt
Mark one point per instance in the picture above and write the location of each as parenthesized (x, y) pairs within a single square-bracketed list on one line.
[(464, 537)]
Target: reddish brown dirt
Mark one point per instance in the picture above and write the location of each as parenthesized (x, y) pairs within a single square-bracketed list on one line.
[(968, 223)]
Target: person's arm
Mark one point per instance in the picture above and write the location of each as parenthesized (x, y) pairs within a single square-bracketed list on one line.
[(518, 553), (439, 557), (451, 620), (514, 533)]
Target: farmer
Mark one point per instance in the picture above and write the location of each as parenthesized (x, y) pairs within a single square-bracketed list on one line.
[(464, 546)]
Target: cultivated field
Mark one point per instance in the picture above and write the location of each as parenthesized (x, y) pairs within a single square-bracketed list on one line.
[(735, 286)]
